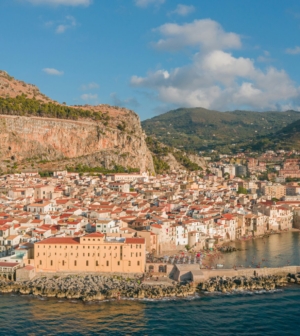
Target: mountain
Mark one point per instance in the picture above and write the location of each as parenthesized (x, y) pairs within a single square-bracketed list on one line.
[(288, 138), (199, 128), (39, 133)]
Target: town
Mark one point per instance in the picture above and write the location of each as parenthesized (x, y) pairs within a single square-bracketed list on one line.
[(123, 222)]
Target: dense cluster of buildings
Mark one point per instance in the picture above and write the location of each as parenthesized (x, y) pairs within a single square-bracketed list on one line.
[(111, 223)]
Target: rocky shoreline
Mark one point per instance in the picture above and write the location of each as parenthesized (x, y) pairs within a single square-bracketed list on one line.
[(242, 283), (95, 288), (98, 288)]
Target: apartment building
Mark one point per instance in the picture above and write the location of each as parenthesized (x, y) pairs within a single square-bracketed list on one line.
[(274, 191)]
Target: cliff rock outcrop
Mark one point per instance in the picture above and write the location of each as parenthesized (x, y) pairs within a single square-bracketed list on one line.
[(32, 126), (56, 139)]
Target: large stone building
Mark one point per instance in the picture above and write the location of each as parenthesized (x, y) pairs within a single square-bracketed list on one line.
[(90, 253), (274, 190)]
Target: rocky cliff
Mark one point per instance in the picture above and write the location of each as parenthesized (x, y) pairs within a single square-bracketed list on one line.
[(31, 130), (90, 143)]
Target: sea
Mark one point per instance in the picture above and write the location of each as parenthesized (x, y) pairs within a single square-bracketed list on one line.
[(248, 313)]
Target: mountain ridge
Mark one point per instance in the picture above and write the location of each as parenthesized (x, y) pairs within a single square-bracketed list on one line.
[(199, 128)]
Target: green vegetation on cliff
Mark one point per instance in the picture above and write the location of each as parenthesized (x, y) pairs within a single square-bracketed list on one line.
[(86, 169), (160, 151), (23, 106)]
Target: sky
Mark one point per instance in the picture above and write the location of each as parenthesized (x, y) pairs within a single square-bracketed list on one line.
[(153, 56)]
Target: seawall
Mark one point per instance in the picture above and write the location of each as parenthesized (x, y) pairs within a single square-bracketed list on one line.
[(250, 272)]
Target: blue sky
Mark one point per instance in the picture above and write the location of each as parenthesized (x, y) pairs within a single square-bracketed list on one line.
[(155, 55)]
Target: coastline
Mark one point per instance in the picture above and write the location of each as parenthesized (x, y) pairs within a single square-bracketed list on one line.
[(91, 288)]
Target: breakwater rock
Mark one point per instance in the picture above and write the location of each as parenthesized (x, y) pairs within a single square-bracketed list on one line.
[(241, 283), (95, 287), (227, 249)]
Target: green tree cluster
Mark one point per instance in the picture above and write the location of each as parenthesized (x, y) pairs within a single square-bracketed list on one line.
[(160, 166), (86, 169), (23, 106), (242, 190)]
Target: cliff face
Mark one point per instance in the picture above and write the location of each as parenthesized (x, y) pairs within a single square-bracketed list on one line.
[(115, 138), (86, 142)]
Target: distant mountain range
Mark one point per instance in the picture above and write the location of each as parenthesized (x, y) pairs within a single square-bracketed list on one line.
[(200, 129)]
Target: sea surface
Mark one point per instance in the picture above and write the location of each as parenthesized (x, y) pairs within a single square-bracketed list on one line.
[(248, 313), (278, 250)]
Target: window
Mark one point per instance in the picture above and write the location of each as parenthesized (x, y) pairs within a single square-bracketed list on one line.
[(75, 263), (107, 263), (51, 263), (87, 263), (129, 263), (138, 263), (63, 263), (118, 263), (40, 262), (97, 263)]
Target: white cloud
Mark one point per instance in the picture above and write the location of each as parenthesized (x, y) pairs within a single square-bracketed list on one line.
[(89, 96), (265, 58), (183, 10), (90, 86), (293, 51), (146, 3), (53, 72), (130, 102), (215, 78), (61, 2), (205, 33), (70, 22)]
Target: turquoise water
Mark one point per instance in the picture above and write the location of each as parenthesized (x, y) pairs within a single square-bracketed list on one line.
[(259, 313)]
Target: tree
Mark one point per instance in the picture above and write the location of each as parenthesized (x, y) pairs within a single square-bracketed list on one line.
[(242, 190)]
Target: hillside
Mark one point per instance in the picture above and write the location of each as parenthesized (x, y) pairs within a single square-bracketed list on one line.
[(199, 128), (35, 130), (288, 138), (166, 158)]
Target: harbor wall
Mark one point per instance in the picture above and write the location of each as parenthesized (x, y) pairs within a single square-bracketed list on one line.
[(250, 271)]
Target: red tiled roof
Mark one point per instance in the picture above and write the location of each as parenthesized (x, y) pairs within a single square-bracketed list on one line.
[(135, 240), (59, 240), (156, 226), (7, 264), (95, 235)]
